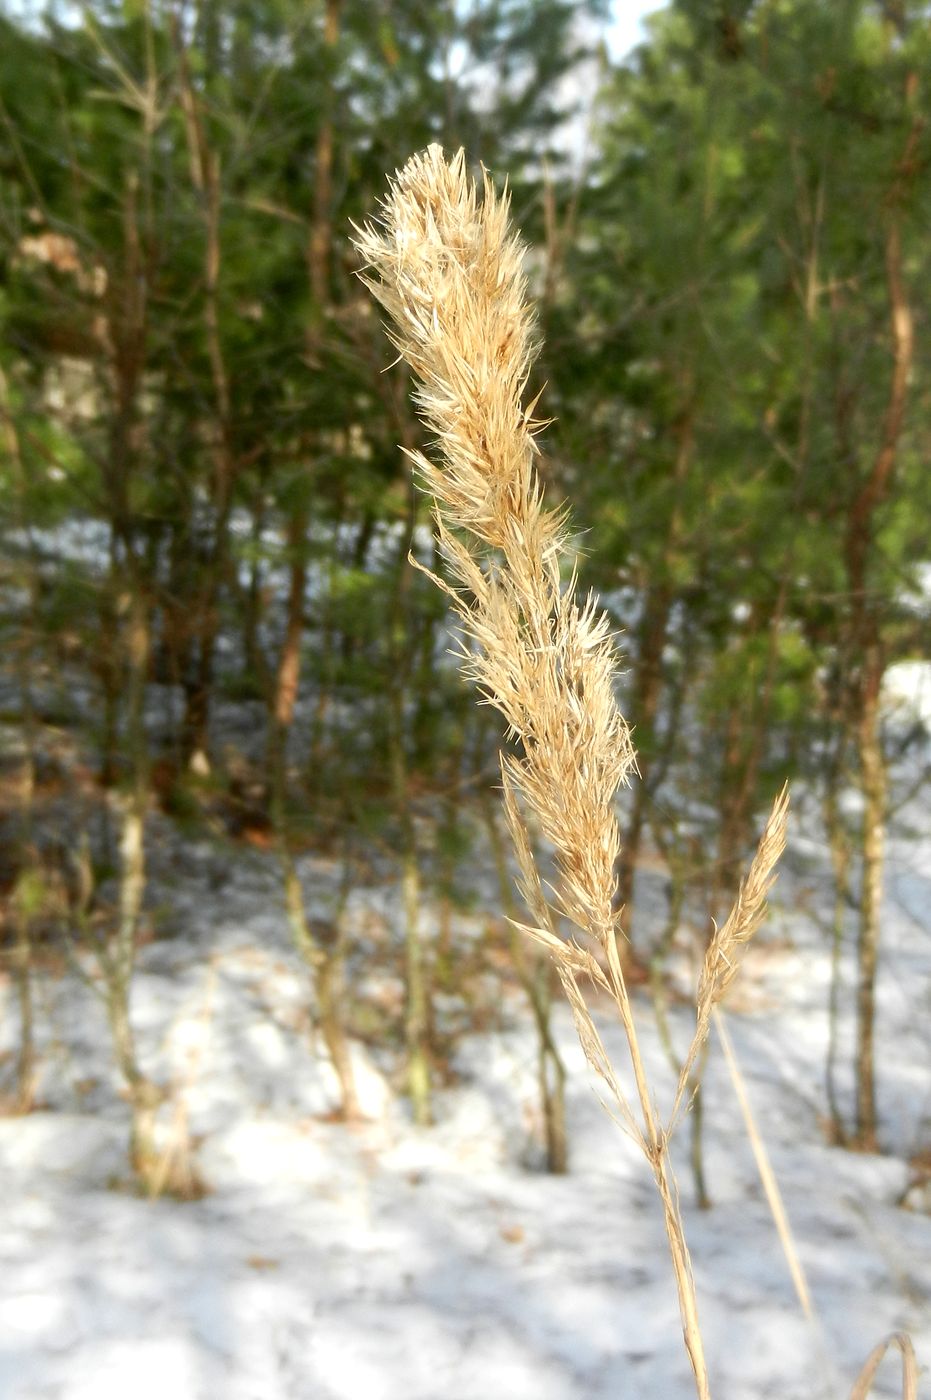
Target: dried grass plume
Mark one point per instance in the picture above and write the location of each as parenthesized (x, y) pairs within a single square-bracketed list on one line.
[(448, 271), (444, 264)]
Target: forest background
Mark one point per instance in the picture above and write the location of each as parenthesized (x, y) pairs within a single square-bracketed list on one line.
[(208, 611)]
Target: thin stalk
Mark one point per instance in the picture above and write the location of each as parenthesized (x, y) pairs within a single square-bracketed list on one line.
[(764, 1167), (655, 1143)]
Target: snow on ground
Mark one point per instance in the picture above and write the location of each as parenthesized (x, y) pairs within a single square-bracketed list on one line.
[(382, 1262), (907, 691)]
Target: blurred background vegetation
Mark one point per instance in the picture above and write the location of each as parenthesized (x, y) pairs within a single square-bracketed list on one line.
[(206, 514)]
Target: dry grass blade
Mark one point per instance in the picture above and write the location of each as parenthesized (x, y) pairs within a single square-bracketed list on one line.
[(764, 1167), (864, 1381), (722, 957)]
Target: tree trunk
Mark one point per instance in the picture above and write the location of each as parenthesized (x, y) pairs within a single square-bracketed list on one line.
[(195, 733), (648, 687), (416, 1020), (288, 674), (321, 948), (320, 236), (144, 1096), (873, 781), (552, 1077), (109, 672), (27, 855), (864, 651), (331, 993), (205, 178), (839, 846), (323, 951), (536, 978), (644, 708), (24, 1092), (253, 657)]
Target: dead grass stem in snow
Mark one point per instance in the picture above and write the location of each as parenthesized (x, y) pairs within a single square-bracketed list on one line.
[(448, 270)]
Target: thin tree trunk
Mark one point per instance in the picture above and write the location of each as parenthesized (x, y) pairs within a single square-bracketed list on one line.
[(144, 1096), (552, 1076), (743, 753), (400, 660), (205, 178), (873, 780), (840, 861), (416, 1021), (195, 734), (537, 982), (288, 674), (644, 709), (331, 995), (675, 902), (696, 1136), (864, 644), (320, 236), (323, 952), (839, 846), (252, 605), (648, 686), (24, 1092), (127, 661), (22, 912), (322, 948), (448, 851), (117, 955)]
